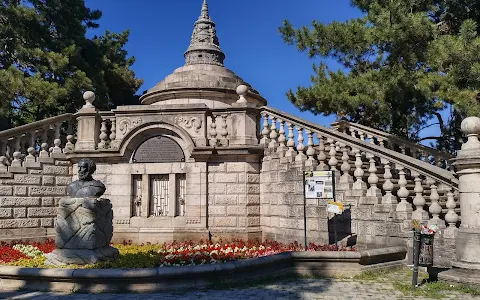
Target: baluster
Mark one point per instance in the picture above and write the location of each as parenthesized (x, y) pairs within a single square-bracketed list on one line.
[(213, 132), (353, 133), (311, 162), (423, 156), (30, 158), (282, 149), (438, 161), (359, 184), (402, 193), (370, 139), (265, 130), (113, 130), (435, 209), (17, 155), (362, 135), (419, 201), (273, 133), (321, 157), (332, 162), (103, 135), (346, 179), (381, 142), (69, 146), (372, 179), (451, 217), (44, 145), (388, 198), (57, 141), (291, 153), (3, 164), (300, 147), (223, 131)]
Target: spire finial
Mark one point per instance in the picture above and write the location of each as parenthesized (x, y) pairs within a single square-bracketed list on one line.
[(204, 47), (204, 13)]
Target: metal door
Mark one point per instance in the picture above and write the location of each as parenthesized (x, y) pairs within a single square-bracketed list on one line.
[(159, 195)]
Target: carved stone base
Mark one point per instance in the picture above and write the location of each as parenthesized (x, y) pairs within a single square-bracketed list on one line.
[(61, 257)]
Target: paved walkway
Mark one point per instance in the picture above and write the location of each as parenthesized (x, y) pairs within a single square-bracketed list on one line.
[(294, 289)]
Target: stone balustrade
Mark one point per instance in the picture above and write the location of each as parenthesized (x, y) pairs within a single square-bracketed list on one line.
[(30, 143), (384, 139), (410, 188), (108, 131)]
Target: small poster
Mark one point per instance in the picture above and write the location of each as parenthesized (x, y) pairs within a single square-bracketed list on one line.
[(319, 184), (335, 207)]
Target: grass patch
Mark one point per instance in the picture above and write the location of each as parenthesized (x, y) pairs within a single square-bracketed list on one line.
[(401, 280)]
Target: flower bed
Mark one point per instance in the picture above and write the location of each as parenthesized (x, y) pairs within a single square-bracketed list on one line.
[(151, 255)]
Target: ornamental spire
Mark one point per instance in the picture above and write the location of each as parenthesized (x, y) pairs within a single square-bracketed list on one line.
[(204, 47)]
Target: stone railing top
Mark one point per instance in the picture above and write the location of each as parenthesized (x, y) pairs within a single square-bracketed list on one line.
[(35, 125), (390, 137), (426, 169)]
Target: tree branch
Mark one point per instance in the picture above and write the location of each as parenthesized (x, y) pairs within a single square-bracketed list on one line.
[(430, 138), (425, 128)]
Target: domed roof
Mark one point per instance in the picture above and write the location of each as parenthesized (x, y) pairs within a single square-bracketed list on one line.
[(203, 69)]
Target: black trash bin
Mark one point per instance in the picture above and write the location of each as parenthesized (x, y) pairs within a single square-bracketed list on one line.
[(425, 258)]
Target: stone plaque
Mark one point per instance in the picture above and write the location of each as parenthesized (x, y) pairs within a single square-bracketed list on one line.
[(159, 149)]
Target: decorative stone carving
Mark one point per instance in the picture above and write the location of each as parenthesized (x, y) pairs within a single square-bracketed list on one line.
[(189, 122), (125, 125), (84, 222)]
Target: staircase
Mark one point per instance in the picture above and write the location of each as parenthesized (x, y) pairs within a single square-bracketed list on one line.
[(416, 179)]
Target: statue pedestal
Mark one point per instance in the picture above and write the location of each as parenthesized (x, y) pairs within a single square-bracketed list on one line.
[(61, 257), (84, 230)]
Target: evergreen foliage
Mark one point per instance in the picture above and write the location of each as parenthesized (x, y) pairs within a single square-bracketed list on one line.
[(405, 62), (46, 61)]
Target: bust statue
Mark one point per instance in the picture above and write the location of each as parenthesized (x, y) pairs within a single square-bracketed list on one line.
[(86, 186), (84, 225)]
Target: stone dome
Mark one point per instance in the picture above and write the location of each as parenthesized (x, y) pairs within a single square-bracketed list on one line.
[(203, 70)]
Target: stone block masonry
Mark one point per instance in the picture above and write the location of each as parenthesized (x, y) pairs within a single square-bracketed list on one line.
[(234, 199), (28, 199)]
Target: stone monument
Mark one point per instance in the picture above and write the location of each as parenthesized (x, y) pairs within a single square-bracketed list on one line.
[(84, 226)]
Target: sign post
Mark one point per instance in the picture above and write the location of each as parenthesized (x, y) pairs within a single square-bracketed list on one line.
[(320, 185)]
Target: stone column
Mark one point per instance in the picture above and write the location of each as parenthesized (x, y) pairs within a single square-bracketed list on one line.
[(466, 267), (245, 120), (88, 129)]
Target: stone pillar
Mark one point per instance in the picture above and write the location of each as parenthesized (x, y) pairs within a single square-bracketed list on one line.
[(88, 121), (466, 267), (245, 120)]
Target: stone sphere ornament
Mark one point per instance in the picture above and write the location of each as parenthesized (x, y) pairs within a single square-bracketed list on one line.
[(89, 97), (471, 127), (242, 92)]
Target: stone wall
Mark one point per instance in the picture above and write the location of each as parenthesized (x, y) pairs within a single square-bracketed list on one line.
[(29, 197), (365, 222), (282, 204), (234, 198)]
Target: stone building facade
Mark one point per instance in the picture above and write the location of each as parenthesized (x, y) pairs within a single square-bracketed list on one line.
[(203, 157)]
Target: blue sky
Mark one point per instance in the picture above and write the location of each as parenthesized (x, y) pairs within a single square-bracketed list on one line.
[(247, 30)]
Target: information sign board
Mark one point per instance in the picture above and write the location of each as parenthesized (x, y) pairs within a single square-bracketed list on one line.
[(319, 184)]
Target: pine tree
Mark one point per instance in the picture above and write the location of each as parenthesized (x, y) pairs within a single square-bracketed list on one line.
[(46, 61), (405, 61)]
